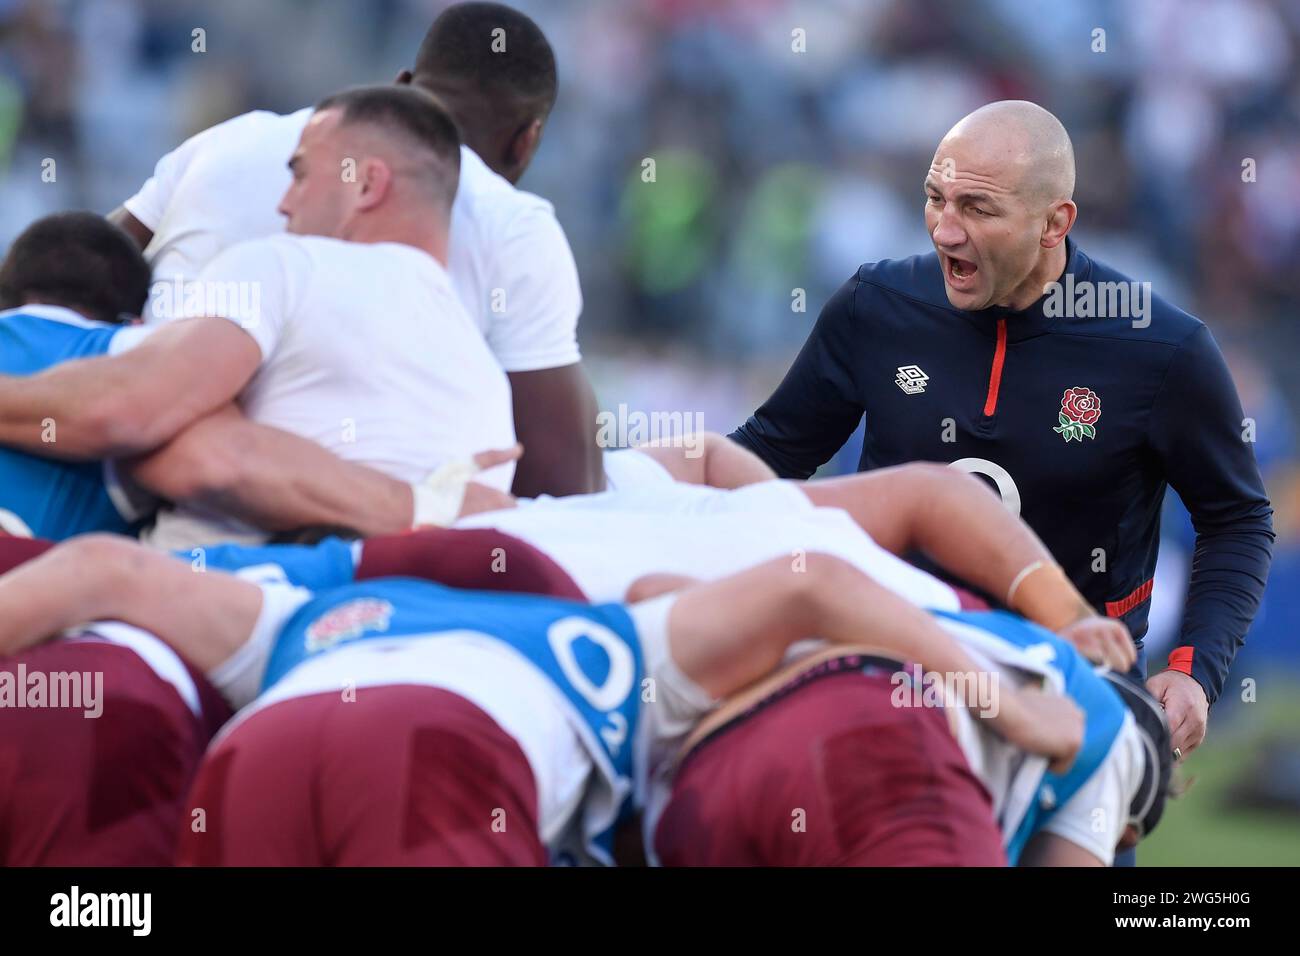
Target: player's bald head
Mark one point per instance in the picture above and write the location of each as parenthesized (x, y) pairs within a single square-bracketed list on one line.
[(1020, 143)]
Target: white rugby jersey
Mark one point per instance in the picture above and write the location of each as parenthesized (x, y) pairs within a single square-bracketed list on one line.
[(367, 351), (647, 523), (509, 259)]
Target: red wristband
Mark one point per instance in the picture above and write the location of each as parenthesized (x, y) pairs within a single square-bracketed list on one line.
[(1180, 659)]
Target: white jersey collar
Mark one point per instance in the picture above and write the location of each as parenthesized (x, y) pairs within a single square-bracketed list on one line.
[(56, 313)]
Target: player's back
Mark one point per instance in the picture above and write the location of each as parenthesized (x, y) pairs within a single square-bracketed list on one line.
[(378, 361), (366, 350), (648, 523), (45, 497)]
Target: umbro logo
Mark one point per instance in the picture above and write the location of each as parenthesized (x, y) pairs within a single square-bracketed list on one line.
[(911, 379)]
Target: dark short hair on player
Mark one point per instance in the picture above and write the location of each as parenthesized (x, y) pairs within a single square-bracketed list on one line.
[(78, 260), (411, 113), (490, 64)]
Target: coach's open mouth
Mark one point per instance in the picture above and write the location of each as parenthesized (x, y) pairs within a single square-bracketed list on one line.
[(960, 273)]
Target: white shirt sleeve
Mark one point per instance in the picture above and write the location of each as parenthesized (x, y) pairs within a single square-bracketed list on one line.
[(537, 325), (256, 284), (151, 202), (128, 337)]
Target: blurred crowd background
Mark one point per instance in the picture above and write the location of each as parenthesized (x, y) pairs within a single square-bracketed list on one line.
[(779, 169)]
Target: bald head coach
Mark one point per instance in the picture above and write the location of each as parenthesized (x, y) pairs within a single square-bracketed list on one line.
[(1010, 353)]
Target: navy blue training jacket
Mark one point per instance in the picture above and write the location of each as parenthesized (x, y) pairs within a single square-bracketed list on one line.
[(1080, 421)]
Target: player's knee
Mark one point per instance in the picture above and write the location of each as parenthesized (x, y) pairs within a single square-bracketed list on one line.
[(111, 561)]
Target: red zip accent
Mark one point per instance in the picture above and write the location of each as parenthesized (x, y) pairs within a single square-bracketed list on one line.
[(995, 376)]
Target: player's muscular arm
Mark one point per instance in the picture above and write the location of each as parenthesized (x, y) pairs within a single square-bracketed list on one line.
[(707, 458), (555, 419), (206, 617), (279, 481), (132, 226), (729, 633), (951, 517), (272, 479), (114, 406)]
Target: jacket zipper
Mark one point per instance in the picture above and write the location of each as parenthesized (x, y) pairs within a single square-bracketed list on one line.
[(995, 374)]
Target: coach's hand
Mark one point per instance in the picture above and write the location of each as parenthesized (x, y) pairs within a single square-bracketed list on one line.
[(1186, 706), (1102, 640)]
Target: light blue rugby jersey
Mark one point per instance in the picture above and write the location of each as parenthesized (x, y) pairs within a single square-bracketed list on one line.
[(331, 563), (1104, 711), (42, 497), (590, 653)]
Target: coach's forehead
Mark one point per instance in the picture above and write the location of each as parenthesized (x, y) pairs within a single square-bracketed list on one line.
[(1013, 145), (979, 157)]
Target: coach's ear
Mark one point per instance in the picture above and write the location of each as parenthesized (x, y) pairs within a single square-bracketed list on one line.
[(404, 78), (1058, 223)]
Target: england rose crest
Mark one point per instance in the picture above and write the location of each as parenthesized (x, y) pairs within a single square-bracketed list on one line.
[(348, 622), (1080, 409)]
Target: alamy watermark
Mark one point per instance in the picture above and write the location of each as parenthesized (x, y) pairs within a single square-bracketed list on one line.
[(624, 428), (1085, 299), (133, 911), (916, 688), (70, 690), (179, 298)]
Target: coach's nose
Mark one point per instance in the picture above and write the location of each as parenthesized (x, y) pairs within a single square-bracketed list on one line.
[(948, 232)]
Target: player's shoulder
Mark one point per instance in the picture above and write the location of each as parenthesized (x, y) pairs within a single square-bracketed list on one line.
[(266, 122), (316, 252), (253, 130), (492, 203), (289, 250)]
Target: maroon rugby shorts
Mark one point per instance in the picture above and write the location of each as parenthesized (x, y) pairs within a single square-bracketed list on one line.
[(80, 789), (403, 775), (826, 771)]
